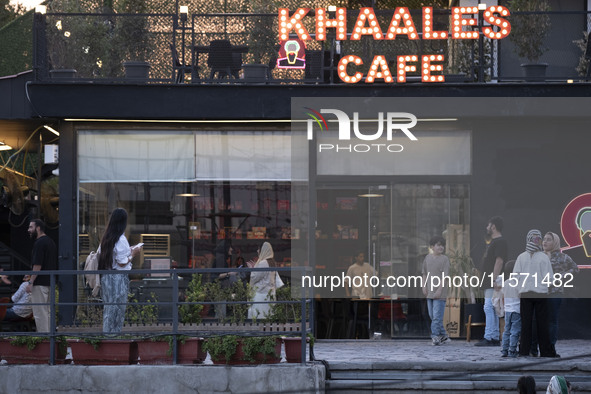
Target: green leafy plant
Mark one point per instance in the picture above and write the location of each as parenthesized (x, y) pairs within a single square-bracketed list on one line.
[(131, 34), (28, 341), (221, 346), (284, 312), (90, 315), (195, 292), (226, 347), (31, 342), (237, 291), (461, 264), (529, 31), (95, 342), (142, 314), (170, 339), (252, 346)]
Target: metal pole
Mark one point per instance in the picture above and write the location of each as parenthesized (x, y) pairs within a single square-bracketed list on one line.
[(175, 316)]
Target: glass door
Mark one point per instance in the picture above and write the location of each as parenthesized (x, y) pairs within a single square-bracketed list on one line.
[(391, 224)]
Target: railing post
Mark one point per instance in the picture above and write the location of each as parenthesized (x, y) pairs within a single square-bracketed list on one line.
[(52, 319), (39, 46), (175, 316), (303, 328)]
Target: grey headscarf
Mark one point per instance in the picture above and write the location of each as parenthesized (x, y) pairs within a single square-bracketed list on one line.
[(533, 241)]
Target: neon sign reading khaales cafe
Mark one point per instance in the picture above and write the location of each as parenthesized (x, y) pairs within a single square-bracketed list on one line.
[(464, 26)]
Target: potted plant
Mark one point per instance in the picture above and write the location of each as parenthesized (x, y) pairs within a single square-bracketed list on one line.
[(59, 44), (132, 36), (262, 39), (158, 350), (293, 347), (195, 293), (31, 350), (528, 33), (232, 349), (462, 264), (103, 351)]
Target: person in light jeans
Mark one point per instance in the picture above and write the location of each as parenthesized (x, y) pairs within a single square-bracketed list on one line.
[(436, 264), (512, 330), (493, 261)]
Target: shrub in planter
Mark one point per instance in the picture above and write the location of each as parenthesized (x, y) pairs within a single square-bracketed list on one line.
[(103, 351), (193, 313), (158, 350), (283, 312), (231, 349), (31, 350)]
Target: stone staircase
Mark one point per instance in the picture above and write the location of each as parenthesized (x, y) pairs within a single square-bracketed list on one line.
[(460, 377)]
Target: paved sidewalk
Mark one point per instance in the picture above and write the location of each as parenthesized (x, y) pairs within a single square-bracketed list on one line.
[(573, 351)]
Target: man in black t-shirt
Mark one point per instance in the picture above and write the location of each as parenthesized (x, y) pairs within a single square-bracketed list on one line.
[(493, 261), (44, 257)]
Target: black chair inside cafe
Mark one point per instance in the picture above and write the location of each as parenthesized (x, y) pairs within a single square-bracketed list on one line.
[(220, 59)]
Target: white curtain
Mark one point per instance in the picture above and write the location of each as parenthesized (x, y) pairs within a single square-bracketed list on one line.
[(138, 156), (243, 155), (156, 156)]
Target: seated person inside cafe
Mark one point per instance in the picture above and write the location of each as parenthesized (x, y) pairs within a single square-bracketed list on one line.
[(21, 309), (360, 273)]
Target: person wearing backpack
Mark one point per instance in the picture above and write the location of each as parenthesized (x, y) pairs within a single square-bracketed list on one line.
[(115, 254)]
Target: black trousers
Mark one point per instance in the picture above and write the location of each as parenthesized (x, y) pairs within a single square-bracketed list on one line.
[(529, 303)]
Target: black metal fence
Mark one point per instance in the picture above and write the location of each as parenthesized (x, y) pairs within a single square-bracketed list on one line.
[(143, 317), (97, 45)]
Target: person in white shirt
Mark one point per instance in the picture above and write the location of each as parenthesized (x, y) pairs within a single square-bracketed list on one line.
[(363, 272), (22, 308), (533, 268), (115, 254)]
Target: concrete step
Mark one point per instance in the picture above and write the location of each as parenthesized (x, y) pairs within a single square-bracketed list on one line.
[(462, 377)]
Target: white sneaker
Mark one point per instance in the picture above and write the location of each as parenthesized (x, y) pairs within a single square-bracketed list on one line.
[(444, 339), (436, 341)]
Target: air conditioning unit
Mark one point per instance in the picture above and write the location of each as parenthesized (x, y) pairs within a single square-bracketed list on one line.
[(155, 245), (83, 245)]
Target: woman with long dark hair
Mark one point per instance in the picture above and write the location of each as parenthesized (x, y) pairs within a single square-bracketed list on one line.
[(115, 254)]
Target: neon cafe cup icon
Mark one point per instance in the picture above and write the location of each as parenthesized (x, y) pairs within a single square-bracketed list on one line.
[(292, 54)]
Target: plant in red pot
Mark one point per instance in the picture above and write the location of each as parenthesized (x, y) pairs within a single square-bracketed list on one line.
[(93, 351), (31, 350), (232, 349), (158, 350)]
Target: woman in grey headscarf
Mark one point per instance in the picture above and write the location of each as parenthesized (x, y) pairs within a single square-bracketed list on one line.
[(562, 264), (533, 269), (263, 283)]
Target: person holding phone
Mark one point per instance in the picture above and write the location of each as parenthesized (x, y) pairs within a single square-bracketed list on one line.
[(115, 254)]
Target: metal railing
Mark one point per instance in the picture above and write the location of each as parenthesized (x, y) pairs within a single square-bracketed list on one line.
[(96, 45), (172, 327)]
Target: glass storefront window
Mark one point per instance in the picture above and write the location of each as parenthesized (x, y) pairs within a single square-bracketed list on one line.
[(187, 220), (391, 224)]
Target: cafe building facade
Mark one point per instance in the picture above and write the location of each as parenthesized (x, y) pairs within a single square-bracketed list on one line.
[(198, 164)]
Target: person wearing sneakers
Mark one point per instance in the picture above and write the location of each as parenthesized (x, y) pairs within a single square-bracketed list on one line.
[(494, 259), (512, 315), (436, 264)]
